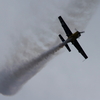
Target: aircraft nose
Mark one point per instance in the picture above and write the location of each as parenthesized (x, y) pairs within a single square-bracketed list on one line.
[(79, 34)]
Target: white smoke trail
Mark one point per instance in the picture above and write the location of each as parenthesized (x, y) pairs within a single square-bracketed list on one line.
[(25, 71), (36, 34)]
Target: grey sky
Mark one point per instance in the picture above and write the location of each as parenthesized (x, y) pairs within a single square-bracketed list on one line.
[(57, 82)]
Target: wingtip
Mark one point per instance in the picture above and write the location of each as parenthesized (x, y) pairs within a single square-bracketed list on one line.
[(59, 17), (86, 57)]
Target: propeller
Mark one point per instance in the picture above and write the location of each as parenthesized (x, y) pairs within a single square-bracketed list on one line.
[(80, 32)]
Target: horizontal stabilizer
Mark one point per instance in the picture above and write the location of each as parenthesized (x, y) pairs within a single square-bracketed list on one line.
[(62, 39)]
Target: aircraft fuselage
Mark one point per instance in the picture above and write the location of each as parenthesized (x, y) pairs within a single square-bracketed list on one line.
[(75, 36), (72, 37)]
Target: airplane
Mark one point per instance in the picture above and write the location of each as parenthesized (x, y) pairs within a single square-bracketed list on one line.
[(73, 38)]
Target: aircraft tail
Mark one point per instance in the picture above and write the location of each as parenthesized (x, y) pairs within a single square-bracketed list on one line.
[(62, 39)]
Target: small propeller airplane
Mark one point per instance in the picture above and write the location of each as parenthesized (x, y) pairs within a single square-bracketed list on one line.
[(72, 36)]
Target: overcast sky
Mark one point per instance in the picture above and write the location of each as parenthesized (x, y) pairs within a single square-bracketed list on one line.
[(66, 76)]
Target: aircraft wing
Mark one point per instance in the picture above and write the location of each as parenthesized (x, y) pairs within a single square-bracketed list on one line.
[(65, 27), (79, 48)]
